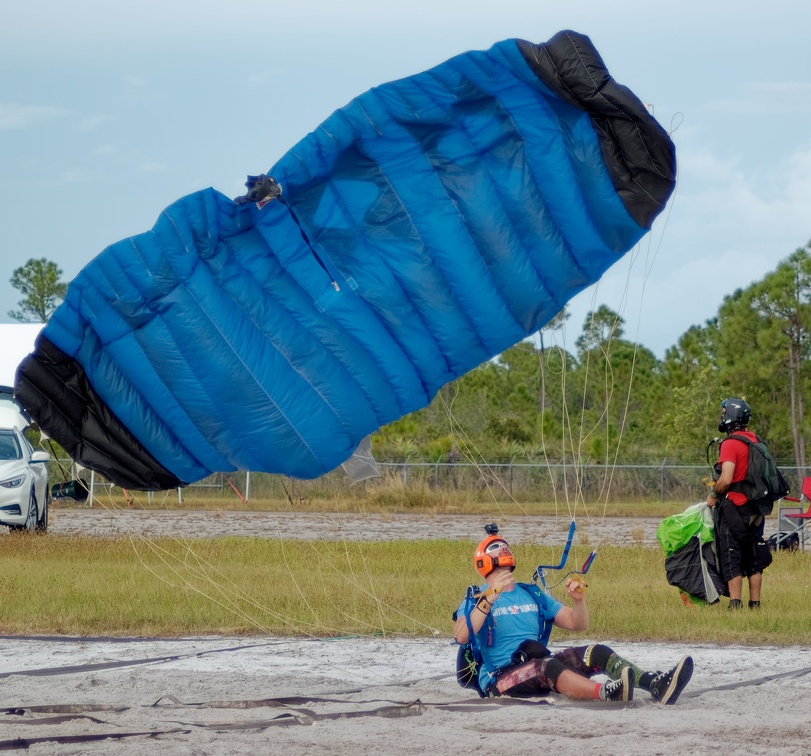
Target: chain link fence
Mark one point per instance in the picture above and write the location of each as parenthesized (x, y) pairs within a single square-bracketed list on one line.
[(524, 482)]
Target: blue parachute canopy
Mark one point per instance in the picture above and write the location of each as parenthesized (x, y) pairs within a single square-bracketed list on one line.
[(422, 229)]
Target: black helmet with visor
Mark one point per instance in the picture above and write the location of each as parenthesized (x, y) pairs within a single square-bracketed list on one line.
[(735, 415)]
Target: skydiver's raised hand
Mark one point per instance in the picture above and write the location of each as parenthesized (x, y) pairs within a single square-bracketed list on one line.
[(576, 588), (501, 580)]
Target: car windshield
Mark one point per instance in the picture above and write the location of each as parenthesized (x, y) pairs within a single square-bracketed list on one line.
[(9, 446)]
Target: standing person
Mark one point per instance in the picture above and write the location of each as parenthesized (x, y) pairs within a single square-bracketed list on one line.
[(510, 624), (742, 552)]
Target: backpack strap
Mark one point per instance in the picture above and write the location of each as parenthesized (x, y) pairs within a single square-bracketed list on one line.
[(736, 437), (470, 605), (545, 624), (736, 487)]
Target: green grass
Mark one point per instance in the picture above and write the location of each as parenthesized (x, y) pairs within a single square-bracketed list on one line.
[(93, 586)]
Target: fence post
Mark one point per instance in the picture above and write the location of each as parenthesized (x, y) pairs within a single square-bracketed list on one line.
[(247, 485), (662, 481), (511, 478), (436, 471)]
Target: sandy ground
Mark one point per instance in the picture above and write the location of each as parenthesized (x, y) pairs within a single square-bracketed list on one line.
[(264, 695), (227, 695)]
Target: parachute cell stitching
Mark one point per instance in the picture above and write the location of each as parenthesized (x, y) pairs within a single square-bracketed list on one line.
[(415, 226), (279, 345), (564, 245), (507, 214), (341, 205), (122, 457)]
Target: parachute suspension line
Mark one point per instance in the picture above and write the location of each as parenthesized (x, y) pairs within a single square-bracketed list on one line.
[(564, 422), (352, 579), (650, 257), (187, 573), (577, 447), (648, 267), (542, 361), (229, 602), (471, 452), (624, 415), (586, 433), (53, 454), (193, 568), (567, 442), (606, 486), (200, 569)]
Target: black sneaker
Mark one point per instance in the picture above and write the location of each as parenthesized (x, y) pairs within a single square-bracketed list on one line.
[(666, 687), (619, 690)]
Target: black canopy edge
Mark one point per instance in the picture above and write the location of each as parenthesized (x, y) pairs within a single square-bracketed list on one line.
[(637, 151), (56, 391)]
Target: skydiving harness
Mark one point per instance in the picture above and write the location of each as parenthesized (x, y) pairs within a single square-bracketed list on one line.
[(764, 483), (469, 657)]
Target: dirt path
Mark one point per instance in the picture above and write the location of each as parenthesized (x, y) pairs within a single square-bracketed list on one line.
[(332, 526)]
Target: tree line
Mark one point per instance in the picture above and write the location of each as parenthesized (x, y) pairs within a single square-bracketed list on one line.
[(609, 400), (606, 400)]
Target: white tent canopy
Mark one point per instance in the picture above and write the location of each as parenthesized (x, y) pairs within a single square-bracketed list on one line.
[(16, 343)]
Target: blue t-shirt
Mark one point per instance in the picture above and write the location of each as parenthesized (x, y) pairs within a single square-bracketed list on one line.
[(514, 618)]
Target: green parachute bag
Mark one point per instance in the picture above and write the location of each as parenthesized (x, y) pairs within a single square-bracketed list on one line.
[(675, 532)]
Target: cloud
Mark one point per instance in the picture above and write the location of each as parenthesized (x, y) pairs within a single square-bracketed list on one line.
[(732, 222), (136, 91), (74, 176), (105, 150), (92, 122), (152, 167), (743, 201), (13, 116), (258, 78), (767, 97)]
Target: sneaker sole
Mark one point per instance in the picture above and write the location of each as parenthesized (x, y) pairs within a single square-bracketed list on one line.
[(681, 676), (627, 678)]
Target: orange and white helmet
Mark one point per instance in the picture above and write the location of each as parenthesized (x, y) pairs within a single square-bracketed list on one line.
[(492, 552)]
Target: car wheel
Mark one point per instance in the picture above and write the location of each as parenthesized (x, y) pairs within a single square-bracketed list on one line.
[(42, 520), (30, 524)]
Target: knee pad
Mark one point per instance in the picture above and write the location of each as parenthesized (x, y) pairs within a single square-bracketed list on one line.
[(553, 668)]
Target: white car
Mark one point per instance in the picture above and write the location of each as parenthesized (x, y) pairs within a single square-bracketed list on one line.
[(24, 493)]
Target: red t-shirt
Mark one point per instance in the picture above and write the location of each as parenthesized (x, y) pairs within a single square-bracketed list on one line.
[(736, 451)]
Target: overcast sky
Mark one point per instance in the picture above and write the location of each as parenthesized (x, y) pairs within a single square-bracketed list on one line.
[(111, 111)]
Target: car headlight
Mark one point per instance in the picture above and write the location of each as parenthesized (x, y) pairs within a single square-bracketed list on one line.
[(12, 482)]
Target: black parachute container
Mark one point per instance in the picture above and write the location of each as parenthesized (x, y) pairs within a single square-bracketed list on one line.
[(693, 569)]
